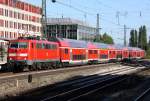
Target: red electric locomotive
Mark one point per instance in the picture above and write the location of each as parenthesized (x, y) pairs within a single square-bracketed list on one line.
[(32, 53)]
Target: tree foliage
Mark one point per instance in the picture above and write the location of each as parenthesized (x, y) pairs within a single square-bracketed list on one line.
[(105, 38), (133, 38), (142, 43), (139, 39)]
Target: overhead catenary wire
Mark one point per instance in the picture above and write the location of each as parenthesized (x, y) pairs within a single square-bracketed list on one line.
[(86, 12)]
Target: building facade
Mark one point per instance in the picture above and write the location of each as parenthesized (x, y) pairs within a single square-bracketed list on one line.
[(69, 28), (18, 18)]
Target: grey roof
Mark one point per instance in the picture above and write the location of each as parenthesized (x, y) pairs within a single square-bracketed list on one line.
[(119, 46), (77, 43), (101, 45), (134, 48), (74, 43), (65, 21)]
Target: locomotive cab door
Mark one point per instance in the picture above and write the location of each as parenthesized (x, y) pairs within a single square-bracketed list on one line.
[(33, 52)]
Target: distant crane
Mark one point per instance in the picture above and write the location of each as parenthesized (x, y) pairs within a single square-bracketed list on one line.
[(44, 18)]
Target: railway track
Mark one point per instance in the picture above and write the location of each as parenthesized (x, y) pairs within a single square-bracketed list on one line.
[(80, 87), (87, 87), (143, 95), (4, 75), (72, 83)]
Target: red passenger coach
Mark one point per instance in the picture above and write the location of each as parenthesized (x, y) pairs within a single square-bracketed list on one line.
[(112, 52), (132, 52), (73, 51), (93, 53), (119, 52), (125, 53), (33, 53), (103, 52)]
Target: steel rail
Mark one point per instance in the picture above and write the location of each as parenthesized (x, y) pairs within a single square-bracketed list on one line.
[(142, 95), (85, 86)]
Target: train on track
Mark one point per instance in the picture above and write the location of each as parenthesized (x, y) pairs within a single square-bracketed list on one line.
[(37, 53)]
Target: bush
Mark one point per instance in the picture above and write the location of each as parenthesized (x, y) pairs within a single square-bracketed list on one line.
[(148, 53)]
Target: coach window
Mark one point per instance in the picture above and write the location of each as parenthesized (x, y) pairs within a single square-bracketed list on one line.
[(66, 51), (95, 51), (110, 52), (90, 51), (103, 56)]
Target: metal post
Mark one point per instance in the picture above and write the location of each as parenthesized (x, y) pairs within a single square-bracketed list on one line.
[(66, 31), (125, 43), (44, 19), (97, 26)]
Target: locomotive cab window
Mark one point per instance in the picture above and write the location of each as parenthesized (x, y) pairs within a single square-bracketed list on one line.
[(14, 45), (19, 45), (22, 45)]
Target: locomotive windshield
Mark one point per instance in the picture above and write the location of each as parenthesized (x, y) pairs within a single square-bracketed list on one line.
[(18, 45)]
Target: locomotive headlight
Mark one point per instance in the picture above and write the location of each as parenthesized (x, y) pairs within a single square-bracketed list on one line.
[(10, 58), (25, 58)]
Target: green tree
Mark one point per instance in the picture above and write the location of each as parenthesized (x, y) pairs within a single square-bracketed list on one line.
[(131, 40), (142, 42), (140, 38), (135, 38), (144, 38), (98, 38), (105, 38)]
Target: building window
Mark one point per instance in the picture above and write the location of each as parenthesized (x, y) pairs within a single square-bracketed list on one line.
[(1, 34), (15, 15), (10, 13), (1, 23), (1, 11), (6, 12)]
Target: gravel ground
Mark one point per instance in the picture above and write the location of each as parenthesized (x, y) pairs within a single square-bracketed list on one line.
[(15, 86)]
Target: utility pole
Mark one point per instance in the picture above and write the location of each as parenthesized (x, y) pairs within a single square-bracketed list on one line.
[(97, 25), (44, 19), (67, 31), (125, 32)]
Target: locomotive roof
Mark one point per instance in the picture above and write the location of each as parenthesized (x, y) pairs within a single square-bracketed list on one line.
[(32, 40)]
